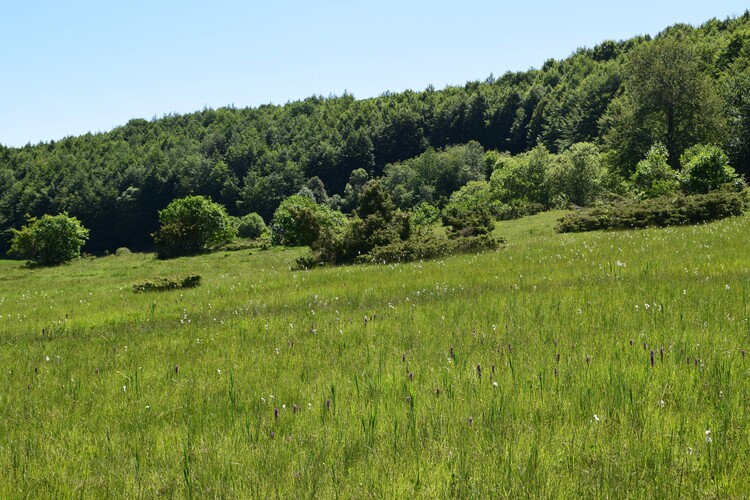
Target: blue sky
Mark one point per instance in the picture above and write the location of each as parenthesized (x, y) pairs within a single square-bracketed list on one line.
[(88, 66)]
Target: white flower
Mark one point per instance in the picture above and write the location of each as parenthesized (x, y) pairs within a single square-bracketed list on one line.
[(596, 417), (662, 403), (124, 388), (495, 384), (708, 436)]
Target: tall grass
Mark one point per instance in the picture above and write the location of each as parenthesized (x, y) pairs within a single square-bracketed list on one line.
[(522, 372)]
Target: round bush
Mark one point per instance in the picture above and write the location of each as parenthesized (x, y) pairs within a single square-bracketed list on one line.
[(192, 225), (251, 226), (49, 241)]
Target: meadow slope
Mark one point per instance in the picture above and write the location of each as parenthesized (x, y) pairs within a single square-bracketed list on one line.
[(600, 364)]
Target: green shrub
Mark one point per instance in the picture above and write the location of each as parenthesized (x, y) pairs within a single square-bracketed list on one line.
[(299, 221), (705, 168), (657, 212), (251, 226), (161, 283), (49, 241), (468, 211), (653, 176), (122, 251), (192, 225)]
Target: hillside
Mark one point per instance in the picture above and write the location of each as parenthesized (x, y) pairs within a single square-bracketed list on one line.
[(251, 159), (601, 364)]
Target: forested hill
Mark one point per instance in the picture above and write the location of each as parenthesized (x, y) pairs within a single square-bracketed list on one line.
[(250, 159)]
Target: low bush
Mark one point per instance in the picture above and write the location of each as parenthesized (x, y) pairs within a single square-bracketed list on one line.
[(657, 212), (161, 283)]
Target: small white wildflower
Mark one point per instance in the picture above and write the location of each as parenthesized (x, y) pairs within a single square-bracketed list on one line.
[(218, 371), (46, 358), (708, 436), (124, 388), (662, 403), (596, 417), (495, 384), (727, 286)]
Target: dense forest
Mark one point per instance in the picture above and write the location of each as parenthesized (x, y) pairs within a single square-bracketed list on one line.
[(686, 86)]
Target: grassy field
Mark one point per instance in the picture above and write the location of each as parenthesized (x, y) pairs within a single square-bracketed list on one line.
[(600, 364)]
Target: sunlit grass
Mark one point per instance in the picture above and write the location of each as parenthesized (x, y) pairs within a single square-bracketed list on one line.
[(365, 380)]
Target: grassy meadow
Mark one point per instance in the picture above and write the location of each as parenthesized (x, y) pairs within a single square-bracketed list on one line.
[(608, 364)]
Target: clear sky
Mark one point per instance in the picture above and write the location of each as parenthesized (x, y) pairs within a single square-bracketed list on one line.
[(70, 67)]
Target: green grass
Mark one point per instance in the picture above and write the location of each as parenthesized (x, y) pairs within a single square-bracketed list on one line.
[(110, 393)]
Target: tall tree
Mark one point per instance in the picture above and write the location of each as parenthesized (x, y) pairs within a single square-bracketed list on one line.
[(671, 96)]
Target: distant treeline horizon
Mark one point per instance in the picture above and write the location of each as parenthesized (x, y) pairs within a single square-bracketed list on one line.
[(251, 159)]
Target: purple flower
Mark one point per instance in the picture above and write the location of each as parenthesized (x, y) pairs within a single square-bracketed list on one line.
[(276, 413)]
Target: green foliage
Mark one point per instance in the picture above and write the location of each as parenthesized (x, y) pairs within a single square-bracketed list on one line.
[(423, 217), (468, 211), (192, 225), (616, 95), (705, 168), (161, 283), (251, 226), (669, 100), (428, 247), (300, 221), (523, 178), (657, 212), (434, 175), (576, 175), (50, 240), (653, 176)]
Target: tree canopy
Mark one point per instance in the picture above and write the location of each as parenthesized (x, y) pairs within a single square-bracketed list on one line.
[(686, 86)]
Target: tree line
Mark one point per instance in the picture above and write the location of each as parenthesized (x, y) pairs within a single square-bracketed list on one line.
[(686, 86)]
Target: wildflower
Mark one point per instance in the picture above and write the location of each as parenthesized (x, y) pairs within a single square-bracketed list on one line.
[(471, 420), (596, 417), (479, 371), (708, 436), (124, 388), (276, 413), (328, 404), (662, 403), (411, 376), (437, 391), (294, 409), (495, 384), (652, 357)]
